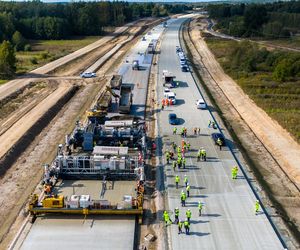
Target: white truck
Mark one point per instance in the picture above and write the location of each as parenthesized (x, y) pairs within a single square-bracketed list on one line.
[(171, 96), (168, 79)]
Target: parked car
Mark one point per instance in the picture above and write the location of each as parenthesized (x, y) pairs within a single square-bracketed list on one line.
[(173, 119), (215, 137), (182, 61), (201, 104), (184, 68), (88, 74), (178, 49)]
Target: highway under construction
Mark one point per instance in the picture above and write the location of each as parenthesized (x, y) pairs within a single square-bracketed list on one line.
[(93, 192)]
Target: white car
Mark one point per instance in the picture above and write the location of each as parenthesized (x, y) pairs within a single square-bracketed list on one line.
[(88, 75), (201, 104)]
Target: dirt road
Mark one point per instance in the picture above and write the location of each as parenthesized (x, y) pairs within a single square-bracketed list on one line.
[(269, 148), (12, 86), (209, 28)]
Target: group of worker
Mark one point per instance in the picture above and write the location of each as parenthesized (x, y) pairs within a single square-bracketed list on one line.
[(166, 102)]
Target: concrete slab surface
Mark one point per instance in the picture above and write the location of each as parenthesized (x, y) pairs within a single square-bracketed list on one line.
[(114, 193), (77, 233), (228, 220)]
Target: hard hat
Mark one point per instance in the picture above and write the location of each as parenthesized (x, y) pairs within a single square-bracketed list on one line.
[(189, 209), (257, 201), (182, 191), (176, 208), (185, 175)]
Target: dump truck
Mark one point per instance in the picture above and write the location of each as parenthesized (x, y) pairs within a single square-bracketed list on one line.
[(125, 99), (168, 79), (116, 81), (135, 65)]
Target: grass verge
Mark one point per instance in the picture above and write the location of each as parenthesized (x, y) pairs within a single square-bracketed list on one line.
[(44, 51), (280, 99)]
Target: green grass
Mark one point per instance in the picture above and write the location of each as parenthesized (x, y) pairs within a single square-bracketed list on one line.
[(3, 81), (281, 100), (44, 51), (293, 42)]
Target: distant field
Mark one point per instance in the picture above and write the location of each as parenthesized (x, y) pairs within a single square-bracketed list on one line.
[(280, 99), (44, 51), (293, 42)]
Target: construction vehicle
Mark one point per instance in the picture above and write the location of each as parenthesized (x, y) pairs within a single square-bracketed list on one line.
[(99, 111), (116, 82), (125, 100), (135, 65), (168, 79)]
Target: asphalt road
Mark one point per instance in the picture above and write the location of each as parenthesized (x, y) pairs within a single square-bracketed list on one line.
[(228, 220)]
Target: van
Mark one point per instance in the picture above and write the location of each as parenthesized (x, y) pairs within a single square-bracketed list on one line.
[(201, 104), (171, 97)]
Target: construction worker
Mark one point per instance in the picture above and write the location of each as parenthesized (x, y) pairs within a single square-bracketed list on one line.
[(188, 146), (219, 142), (234, 172), (188, 188), (166, 218), (188, 215), (200, 206), (177, 180), (185, 132), (167, 102), (178, 150), (199, 155), (168, 157), (195, 131), (180, 223), (174, 131), (256, 207), (176, 212), (187, 227), (174, 146), (209, 123), (179, 161), (174, 164), (199, 130), (183, 198), (203, 154), (183, 162), (186, 180)]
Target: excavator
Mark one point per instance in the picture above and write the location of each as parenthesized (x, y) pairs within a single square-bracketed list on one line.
[(99, 111)]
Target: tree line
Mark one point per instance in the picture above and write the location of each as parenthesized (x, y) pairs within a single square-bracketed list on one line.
[(272, 20), (37, 20)]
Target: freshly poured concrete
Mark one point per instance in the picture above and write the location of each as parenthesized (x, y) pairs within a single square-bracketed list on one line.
[(77, 233)]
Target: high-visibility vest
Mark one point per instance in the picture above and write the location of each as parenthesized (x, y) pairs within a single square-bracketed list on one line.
[(186, 224), (188, 188), (177, 179), (188, 214), (186, 180), (177, 212)]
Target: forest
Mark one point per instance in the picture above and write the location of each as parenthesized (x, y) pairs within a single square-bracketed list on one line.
[(271, 20), (20, 21)]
